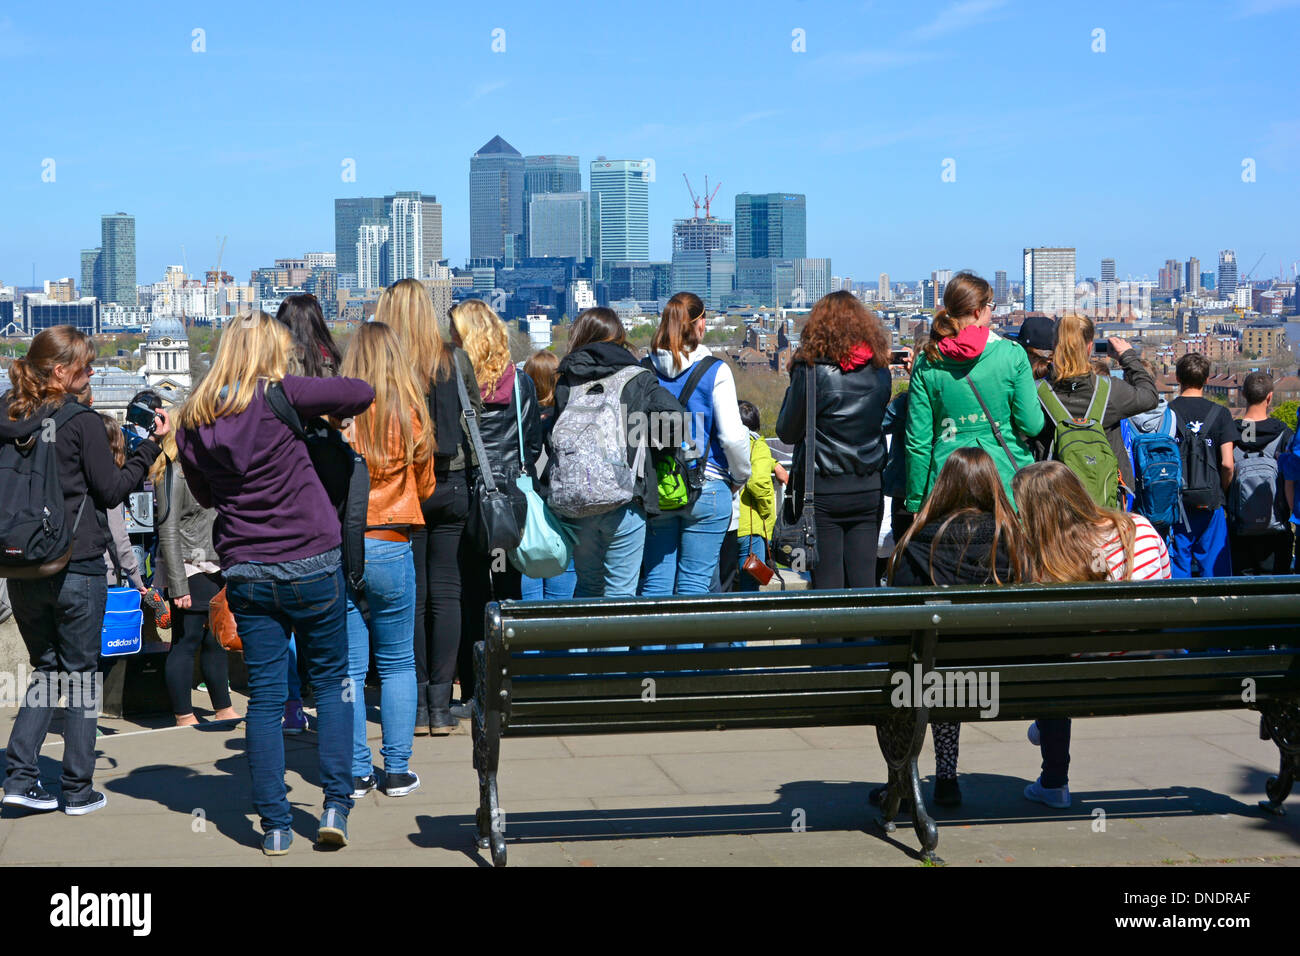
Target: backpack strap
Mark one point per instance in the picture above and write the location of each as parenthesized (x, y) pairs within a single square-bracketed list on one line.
[(1100, 393), (693, 380), (283, 409), (1169, 423), (1052, 404)]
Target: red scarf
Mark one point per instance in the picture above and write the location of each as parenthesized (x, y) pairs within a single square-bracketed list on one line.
[(858, 356), (966, 344)]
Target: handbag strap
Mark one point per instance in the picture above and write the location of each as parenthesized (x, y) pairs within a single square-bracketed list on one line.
[(997, 431), (519, 422), (810, 434), (471, 422)]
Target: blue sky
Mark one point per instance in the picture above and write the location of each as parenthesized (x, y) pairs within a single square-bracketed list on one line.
[(1134, 153)]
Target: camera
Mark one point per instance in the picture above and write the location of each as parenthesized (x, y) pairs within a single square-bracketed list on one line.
[(1101, 347), (142, 416)]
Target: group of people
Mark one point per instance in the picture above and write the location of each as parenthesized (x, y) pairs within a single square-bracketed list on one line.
[(985, 468)]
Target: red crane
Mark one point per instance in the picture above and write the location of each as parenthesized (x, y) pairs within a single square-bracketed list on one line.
[(708, 199)]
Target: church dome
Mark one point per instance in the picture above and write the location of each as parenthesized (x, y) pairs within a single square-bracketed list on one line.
[(166, 327)]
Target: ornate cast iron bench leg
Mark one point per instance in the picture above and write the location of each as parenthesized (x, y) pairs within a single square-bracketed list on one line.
[(901, 736), (486, 728), (1279, 722)]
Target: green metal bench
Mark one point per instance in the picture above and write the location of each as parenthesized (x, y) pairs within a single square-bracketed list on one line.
[(1241, 637)]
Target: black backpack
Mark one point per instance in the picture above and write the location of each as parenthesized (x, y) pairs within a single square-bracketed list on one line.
[(1202, 487), (35, 540), (346, 479)]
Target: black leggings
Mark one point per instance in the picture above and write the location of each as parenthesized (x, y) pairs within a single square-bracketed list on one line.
[(848, 526), (482, 583), (190, 634), (438, 596)]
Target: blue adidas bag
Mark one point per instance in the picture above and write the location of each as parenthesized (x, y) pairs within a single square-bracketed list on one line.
[(123, 622), (1158, 470)]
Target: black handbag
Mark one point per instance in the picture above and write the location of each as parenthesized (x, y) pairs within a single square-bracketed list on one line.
[(794, 540), (492, 515)]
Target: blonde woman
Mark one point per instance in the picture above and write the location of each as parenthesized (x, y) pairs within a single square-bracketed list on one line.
[(188, 565), (509, 399), (279, 544), (395, 436), (407, 309)]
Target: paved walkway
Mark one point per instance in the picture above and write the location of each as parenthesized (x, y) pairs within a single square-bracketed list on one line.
[(1174, 790)]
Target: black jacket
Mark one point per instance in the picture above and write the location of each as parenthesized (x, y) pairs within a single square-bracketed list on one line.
[(850, 441), (444, 411), (643, 395), (86, 471), (961, 556), (499, 429), (1135, 393)]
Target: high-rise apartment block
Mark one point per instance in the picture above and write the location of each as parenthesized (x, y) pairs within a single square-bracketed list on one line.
[(1227, 284), (1049, 279), (116, 268)]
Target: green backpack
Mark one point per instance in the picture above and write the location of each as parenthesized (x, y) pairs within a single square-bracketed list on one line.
[(1081, 443)]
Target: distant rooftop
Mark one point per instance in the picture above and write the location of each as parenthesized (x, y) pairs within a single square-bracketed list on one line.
[(497, 145)]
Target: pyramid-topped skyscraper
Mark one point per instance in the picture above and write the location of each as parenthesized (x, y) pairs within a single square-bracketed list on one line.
[(496, 201)]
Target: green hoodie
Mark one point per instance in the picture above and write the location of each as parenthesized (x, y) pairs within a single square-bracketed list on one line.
[(943, 413)]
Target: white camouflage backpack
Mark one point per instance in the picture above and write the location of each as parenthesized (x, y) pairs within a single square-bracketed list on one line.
[(590, 474)]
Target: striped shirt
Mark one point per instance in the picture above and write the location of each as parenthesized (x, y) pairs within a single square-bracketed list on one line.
[(1150, 556)]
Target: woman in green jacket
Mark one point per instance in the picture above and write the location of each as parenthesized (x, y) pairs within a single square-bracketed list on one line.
[(944, 412)]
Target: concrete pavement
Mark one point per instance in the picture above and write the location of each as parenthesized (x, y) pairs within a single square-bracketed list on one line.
[(1171, 790)]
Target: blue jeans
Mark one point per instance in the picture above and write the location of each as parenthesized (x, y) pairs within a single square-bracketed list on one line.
[(390, 591), (557, 588), (607, 556), (1201, 550), (682, 547), (266, 612), (755, 545), (292, 682)]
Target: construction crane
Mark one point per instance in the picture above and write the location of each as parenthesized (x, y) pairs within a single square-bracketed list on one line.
[(708, 199), (217, 299)]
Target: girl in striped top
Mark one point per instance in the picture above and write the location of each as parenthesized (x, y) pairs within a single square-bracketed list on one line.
[(1071, 539)]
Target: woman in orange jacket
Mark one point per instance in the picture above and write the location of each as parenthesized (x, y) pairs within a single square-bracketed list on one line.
[(396, 437)]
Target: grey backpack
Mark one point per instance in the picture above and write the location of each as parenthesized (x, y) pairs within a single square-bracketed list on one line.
[(1252, 497), (590, 474)]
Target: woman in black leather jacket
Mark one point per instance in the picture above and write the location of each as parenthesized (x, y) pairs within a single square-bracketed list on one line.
[(847, 349), (509, 403)]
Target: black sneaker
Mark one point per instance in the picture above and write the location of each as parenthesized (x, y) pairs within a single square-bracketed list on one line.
[(947, 793), (88, 803), (363, 785), (400, 784), (34, 797)]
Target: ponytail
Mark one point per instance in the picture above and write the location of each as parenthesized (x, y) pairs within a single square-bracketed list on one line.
[(676, 333), (943, 327)]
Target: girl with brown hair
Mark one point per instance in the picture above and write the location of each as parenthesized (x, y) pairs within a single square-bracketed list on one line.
[(845, 349), (965, 533), (543, 368), (1074, 540), (60, 616), (970, 388), (682, 547)]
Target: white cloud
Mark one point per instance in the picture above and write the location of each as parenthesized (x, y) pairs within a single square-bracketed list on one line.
[(966, 13)]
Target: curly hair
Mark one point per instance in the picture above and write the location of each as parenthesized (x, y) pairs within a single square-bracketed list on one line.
[(837, 323)]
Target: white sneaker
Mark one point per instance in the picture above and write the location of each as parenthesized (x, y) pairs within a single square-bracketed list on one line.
[(1057, 798)]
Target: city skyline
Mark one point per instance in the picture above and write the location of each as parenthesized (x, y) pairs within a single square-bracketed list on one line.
[(266, 175)]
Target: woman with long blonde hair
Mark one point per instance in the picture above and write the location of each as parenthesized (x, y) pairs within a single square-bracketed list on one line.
[(1072, 539), (278, 540), (1073, 379), (408, 310), (395, 436), (511, 428), (60, 616)]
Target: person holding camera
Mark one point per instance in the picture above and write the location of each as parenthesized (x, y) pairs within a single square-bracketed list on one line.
[(1074, 382), (60, 616)]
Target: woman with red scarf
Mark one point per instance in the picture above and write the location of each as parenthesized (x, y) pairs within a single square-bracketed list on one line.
[(970, 388), (846, 349)]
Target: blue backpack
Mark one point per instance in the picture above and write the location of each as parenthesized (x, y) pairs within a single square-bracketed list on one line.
[(1158, 471)]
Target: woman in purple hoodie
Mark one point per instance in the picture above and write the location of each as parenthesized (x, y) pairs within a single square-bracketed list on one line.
[(279, 543)]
